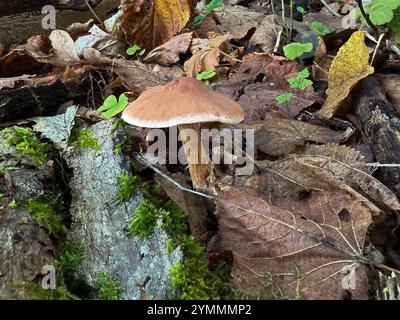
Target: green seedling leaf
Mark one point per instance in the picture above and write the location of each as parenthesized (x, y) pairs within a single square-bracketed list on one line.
[(295, 50), (381, 11), (320, 28), (111, 106), (300, 81), (198, 20), (301, 10), (395, 25), (284, 97), (110, 102), (134, 50), (214, 4), (205, 75)]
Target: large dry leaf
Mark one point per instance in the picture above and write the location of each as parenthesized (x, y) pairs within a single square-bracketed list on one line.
[(350, 65), (206, 55), (325, 168), (151, 23), (168, 53), (258, 80), (63, 50), (266, 34), (238, 20), (294, 246), (278, 137)]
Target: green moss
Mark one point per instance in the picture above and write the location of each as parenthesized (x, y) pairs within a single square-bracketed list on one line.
[(144, 219), (128, 185), (192, 279), (36, 292), (83, 138), (26, 143), (117, 122), (13, 204), (70, 256), (47, 216), (108, 287), (118, 148)]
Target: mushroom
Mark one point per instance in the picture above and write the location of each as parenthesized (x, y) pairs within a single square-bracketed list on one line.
[(185, 103)]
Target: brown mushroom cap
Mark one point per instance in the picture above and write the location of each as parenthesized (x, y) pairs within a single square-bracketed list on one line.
[(181, 101)]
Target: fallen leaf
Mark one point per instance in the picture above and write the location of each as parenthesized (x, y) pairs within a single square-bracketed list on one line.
[(238, 20), (328, 167), (206, 55), (57, 128), (294, 247), (266, 34), (278, 137), (350, 65), (151, 23), (258, 80), (168, 53)]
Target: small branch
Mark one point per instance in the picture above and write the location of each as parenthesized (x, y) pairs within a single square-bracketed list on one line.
[(330, 9), (278, 42), (366, 16), (142, 160), (94, 13), (383, 165), (376, 48)]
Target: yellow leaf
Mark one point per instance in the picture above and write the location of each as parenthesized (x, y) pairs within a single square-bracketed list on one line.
[(349, 66), (151, 23)]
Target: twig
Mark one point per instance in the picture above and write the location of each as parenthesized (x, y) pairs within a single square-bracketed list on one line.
[(94, 13), (383, 165), (142, 160), (330, 9), (376, 48), (278, 42), (392, 47), (366, 16)]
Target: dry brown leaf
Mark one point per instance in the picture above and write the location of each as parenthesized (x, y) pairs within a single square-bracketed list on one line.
[(295, 247), (278, 137), (63, 50), (238, 20), (151, 23), (350, 65), (329, 167), (137, 75), (206, 55), (168, 53), (266, 34), (257, 81)]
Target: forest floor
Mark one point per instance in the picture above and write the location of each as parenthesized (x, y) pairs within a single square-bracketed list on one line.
[(300, 199)]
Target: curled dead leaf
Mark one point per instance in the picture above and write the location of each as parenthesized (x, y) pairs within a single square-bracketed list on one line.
[(151, 23), (350, 65), (206, 55), (168, 53)]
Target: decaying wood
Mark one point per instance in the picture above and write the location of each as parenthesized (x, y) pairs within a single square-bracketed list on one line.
[(381, 128), (23, 18), (45, 100)]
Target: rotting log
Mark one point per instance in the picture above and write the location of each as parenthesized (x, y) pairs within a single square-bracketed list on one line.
[(21, 19), (381, 128), (22, 103)]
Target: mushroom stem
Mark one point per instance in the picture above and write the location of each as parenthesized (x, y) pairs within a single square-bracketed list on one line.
[(198, 160)]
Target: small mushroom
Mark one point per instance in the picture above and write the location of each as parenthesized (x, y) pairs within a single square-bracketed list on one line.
[(185, 103)]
